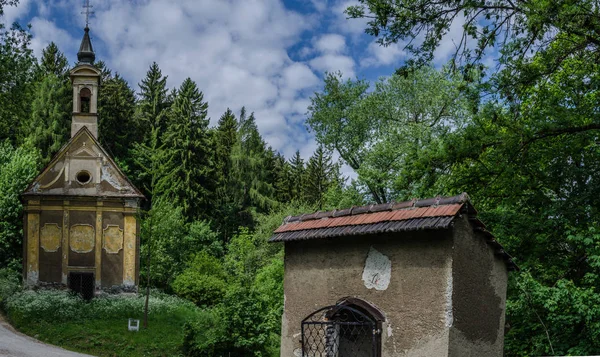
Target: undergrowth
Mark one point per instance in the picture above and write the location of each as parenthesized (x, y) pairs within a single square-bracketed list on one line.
[(99, 326)]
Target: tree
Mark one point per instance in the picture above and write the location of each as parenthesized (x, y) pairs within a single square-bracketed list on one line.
[(383, 135), (119, 128), (148, 154), (54, 62), (17, 65), (192, 180), (225, 137), (253, 193), (321, 174), (154, 99), (281, 179), (297, 177), (520, 32), (50, 124), (18, 167)]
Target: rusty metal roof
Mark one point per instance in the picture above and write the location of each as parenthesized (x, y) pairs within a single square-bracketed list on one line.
[(428, 214)]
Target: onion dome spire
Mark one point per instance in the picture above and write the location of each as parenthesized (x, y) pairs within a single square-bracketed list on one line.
[(86, 52)]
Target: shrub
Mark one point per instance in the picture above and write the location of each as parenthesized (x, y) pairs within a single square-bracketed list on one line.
[(10, 283), (206, 335), (60, 306), (203, 282)]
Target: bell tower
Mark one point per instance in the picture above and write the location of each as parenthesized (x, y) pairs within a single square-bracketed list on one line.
[(85, 78)]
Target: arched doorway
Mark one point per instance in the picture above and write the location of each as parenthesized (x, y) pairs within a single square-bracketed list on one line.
[(347, 329)]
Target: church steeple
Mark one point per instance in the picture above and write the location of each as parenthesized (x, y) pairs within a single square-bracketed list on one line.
[(86, 81), (86, 52)]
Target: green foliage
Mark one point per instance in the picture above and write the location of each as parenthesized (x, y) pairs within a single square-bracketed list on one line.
[(118, 126), (17, 65), (554, 30), (18, 167), (191, 182), (251, 190), (99, 326), (163, 233), (203, 281), (10, 283), (387, 135), (50, 125), (321, 174), (297, 176), (54, 62)]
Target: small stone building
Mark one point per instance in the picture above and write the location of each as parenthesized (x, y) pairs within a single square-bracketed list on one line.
[(80, 226), (418, 278)]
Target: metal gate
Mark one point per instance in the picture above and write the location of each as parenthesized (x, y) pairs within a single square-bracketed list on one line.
[(339, 331), (82, 284)]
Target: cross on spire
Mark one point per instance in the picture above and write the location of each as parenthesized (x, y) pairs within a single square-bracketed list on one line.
[(87, 12)]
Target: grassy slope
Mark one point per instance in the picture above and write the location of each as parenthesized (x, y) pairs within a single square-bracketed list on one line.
[(109, 336)]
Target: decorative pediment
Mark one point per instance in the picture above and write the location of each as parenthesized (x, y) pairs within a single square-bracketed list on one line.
[(83, 168), (85, 70)]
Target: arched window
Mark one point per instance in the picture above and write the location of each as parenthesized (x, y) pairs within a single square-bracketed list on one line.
[(350, 328), (85, 96)]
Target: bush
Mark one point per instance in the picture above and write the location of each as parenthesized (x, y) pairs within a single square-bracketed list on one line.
[(206, 336), (60, 306), (10, 283), (203, 282)]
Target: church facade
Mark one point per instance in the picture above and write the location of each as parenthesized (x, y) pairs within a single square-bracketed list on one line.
[(81, 228)]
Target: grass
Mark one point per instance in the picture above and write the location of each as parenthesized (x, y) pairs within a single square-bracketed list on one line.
[(99, 327)]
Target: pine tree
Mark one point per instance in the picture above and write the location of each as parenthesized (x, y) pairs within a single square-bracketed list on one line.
[(116, 108), (297, 172), (252, 190), (50, 123), (225, 137), (281, 179), (54, 62), (189, 151), (150, 113), (154, 99), (320, 176)]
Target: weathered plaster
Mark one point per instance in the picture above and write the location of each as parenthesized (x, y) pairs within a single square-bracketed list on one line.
[(82, 238), (320, 272), (33, 243), (129, 250), (50, 237), (378, 270), (479, 295)]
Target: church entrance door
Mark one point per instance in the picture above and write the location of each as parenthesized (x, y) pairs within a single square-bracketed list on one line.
[(339, 331), (82, 284)]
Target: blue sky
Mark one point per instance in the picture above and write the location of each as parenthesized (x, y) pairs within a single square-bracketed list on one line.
[(267, 55)]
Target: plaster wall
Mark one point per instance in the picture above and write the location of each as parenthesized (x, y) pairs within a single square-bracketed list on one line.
[(479, 295), (318, 273), (100, 246)]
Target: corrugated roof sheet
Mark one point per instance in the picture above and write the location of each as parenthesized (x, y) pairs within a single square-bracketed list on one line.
[(432, 213)]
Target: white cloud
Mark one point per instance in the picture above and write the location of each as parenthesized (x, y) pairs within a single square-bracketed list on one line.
[(14, 13), (331, 43), (332, 57), (342, 23), (383, 55), (319, 5), (252, 53), (235, 50), (332, 63), (44, 32)]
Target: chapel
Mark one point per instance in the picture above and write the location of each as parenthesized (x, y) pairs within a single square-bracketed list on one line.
[(417, 279), (81, 229)]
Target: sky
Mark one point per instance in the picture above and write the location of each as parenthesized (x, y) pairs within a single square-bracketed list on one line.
[(267, 55)]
